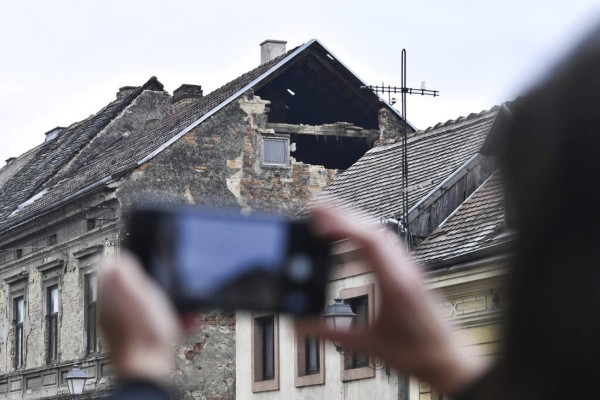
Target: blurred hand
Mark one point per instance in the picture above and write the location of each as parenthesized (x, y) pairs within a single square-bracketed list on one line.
[(407, 333), (138, 321)]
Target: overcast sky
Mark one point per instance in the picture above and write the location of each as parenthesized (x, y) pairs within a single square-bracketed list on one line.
[(61, 61)]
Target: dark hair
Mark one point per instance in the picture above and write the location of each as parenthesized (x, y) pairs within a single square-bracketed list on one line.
[(551, 169)]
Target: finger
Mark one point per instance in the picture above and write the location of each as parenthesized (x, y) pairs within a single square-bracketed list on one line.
[(382, 254), (357, 339)]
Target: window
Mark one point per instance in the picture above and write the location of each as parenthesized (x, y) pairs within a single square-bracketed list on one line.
[(52, 240), (275, 151), (17, 286), (267, 338), (91, 223), (91, 293), (360, 306), (311, 354), (18, 253), (265, 352), (310, 368), (361, 300), (52, 324), (19, 315)]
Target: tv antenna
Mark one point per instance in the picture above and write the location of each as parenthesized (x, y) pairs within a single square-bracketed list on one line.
[(403, 90)]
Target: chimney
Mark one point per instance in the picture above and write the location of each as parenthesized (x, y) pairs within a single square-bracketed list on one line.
[(185, 94), (126, 91), (52, 133), (270, 49), (10, 160)]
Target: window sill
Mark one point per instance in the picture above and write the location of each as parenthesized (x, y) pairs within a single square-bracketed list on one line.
[(265, 386), (357, 373), (310, 380)]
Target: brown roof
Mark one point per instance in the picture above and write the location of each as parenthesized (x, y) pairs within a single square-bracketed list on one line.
[(26, 176)]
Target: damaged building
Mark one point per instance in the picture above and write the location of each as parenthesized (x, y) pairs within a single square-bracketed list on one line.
[(270, 140), (456, 219)]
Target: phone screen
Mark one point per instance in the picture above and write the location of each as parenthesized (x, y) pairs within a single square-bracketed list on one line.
[(212, 253)]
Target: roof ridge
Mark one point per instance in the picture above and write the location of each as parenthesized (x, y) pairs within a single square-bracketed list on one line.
[(266, 65), (461, 118)]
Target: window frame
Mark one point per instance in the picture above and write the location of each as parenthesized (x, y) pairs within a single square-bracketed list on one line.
[(51, 272), (90, 314), (19, 343), (286, 141), (259, 383), (17, 287), (301, 377), (52, 324), (362, 372)]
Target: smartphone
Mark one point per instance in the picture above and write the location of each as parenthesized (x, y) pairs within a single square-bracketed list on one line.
[(205, 259)]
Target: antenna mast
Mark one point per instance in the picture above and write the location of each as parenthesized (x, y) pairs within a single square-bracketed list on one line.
[(403, 90)]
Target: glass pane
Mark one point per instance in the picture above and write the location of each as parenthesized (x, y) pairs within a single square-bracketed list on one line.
[(19, 347), (360, 306), (274, 151), (53, 298), (312, 355), (91, 331), (52, 338), (20, 310), (92, 287), (268, 348)]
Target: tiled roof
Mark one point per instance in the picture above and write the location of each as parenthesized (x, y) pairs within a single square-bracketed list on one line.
[(122, 157), (373, 184), (25, 176), (473, 226)]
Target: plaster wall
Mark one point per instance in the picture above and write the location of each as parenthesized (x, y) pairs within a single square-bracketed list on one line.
[(382, 386)]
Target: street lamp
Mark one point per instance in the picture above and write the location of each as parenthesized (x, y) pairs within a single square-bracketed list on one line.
[(76, 378), (340, 316)]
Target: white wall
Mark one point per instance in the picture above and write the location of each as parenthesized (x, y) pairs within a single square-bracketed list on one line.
[(382, 386)]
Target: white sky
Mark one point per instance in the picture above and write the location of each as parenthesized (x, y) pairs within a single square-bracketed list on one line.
[(61, 61)]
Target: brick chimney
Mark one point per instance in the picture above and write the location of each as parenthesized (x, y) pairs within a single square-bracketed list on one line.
[(10, 160), (185, 94), (270, 49)]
